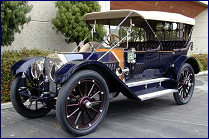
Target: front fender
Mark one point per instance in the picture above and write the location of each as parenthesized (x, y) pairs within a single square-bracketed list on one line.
[(114, 83), (67, 70), (24, 65)]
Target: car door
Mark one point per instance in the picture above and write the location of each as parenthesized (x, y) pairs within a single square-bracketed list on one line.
[(139, 66), (152, 60), (165, 60)]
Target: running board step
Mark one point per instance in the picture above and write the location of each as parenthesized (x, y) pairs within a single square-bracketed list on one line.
[(147, 82), (156, 94)]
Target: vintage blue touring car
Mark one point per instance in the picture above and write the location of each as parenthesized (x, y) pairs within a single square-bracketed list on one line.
[(143, 57)]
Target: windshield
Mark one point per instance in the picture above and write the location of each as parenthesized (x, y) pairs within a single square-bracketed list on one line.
[(139, 33)]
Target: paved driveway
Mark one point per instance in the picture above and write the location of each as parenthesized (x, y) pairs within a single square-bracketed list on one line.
[(159, 117)]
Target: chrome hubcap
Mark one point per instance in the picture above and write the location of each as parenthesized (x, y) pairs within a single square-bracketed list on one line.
[(88, 104)]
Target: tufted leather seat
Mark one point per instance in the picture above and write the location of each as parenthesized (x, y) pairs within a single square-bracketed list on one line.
[(166, 45), (170, 45)]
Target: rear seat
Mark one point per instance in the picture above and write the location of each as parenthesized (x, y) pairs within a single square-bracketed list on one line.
[(170, 45), (166, 45)]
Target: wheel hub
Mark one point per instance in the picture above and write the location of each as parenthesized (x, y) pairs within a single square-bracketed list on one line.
[(88, 104), (85, 103), (189, 84)]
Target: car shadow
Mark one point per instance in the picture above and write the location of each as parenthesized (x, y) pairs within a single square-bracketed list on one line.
[(119, 110), (121, 107), (127, 106)]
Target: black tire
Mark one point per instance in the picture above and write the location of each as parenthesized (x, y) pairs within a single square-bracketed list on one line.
[(20, 107), (185, 85), (63, 99)]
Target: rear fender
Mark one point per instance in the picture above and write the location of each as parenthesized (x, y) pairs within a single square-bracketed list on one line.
[(193, 62), (114, 83), (181, 61)]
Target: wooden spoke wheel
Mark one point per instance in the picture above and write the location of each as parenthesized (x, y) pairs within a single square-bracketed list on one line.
[(185, 85), (82, 102), (26, 101)]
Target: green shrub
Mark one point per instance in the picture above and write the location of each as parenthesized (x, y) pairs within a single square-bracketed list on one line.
[(8, 58), (13, 17), (202, 59), (69, 19)]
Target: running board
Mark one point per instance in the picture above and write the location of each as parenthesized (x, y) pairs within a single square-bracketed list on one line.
[(145, 82), (156, 94)]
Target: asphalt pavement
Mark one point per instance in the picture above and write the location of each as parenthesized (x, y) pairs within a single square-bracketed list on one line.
[(155, 118)]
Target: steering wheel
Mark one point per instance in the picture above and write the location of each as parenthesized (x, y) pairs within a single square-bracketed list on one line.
[(114, 39), (114, 42)]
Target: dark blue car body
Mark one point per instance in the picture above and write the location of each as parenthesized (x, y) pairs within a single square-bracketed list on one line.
[(149, 65)]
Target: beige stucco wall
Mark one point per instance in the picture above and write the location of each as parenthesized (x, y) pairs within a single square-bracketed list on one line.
[(39, 33), (200, 33)]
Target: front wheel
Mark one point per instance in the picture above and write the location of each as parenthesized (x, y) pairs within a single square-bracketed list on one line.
[(186, 85), (82, 102), (27, 105)]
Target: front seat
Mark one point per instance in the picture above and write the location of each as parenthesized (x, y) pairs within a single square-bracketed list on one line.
[(88, 47)]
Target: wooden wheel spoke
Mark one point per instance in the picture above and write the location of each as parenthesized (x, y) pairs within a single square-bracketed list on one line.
[(180, 91), (91, 89), (85, 89), (97, 101), (186, 73), (184, 92), (94, 110), (187, 88), (95, 94), (80, 91), (76, 120), (71, 105), (74, 96), (83, 117), (88, 114), (72, 113), (180, 87)]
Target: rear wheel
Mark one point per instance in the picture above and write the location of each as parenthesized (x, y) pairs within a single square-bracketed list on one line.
[(186, 85), (82, 102)]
